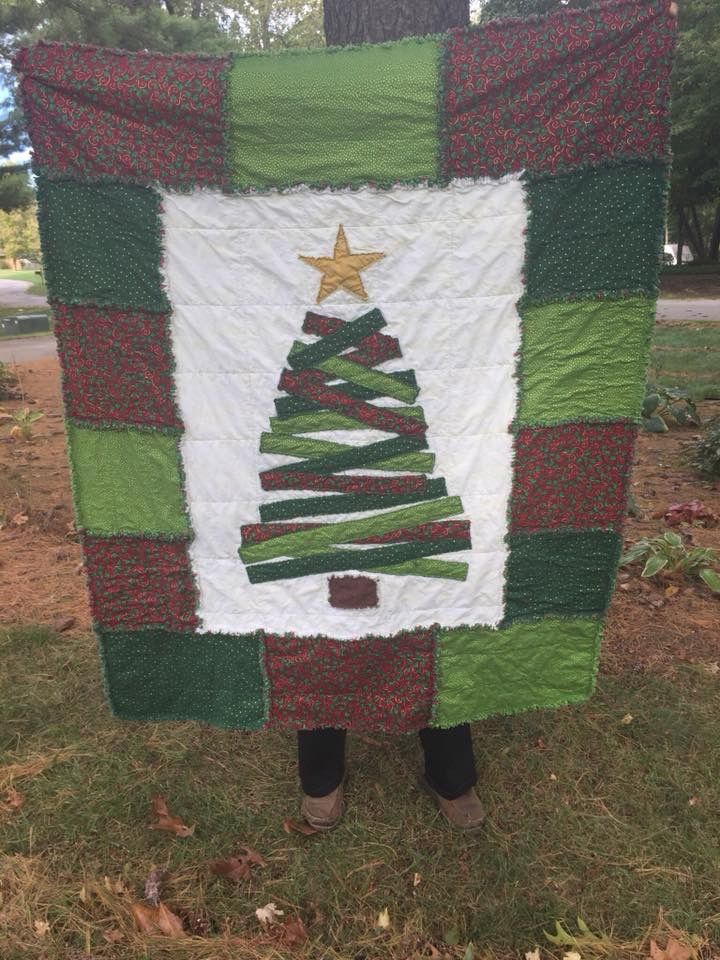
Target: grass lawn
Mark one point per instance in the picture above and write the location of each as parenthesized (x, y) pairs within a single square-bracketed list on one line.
[(687, 355), (607, 811), (38, 286)]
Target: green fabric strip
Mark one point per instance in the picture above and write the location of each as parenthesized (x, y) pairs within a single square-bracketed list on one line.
[(596, 230), (584, 359), (101, 243), (351, 559), (358, 115), (347, 503), (126, 481), (162, 675), (445, 569), (386, 385), (328, 420), (287, 406), (358, 456), (566, 573), (309, 447), (345, 531), (349, 334), (526, 666)]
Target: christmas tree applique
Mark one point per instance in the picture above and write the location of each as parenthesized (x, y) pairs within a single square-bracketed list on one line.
[(391, 518)]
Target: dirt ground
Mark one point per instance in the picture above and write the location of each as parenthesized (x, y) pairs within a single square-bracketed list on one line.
[(690, 283), (649, 627)]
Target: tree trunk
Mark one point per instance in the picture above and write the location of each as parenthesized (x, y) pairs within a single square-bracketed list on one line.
[(714, 251), (698, 232), (372, 21), (680, 239), (196, 9)]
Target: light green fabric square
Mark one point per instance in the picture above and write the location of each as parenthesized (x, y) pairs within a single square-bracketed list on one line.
[(584, 359), (342, 117), (126, 481), (546, 663)]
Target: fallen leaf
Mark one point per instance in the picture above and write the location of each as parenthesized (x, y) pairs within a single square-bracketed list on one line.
[(671, 590), (293, 932), (383, 920), (19, 519), (627, 719), (153, 886), (168, 923), (268, 914), (416, 879), (144, 915), (572, 955), (693, 801), (553, 776), (297, 826), (533, 954), (673, 951), (168, 821), (157, 919), (13, 799), (63, 623), (113, 935), (115, 886), (41, 927)]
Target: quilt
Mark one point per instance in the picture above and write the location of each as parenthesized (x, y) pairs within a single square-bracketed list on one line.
[(353, 345)]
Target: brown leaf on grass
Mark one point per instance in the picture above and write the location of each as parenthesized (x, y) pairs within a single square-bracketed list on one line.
[(673, 951), (237, 868), (63, 623), (168, 821), (291, 825), (113, 935), (41, 928), (292, 932), (160, 919), (12, 799)]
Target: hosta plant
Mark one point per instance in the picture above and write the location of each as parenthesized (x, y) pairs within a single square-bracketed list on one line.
[(661, 403), (667, 553)]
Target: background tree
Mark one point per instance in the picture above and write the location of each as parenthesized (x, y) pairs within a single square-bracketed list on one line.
[(372, 21), (19, 236), (15, 190)]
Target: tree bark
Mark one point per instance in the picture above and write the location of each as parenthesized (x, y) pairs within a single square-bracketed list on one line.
[(680, 240), (372, 21), (698, 231)]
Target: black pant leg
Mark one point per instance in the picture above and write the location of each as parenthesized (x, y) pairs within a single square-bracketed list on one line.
[(321, 760), (449, 760)]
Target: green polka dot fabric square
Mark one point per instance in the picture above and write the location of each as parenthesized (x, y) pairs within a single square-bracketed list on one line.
[(126, 481), (101, 243), (352, 116), (584, 360), (164, 675), (482, 672), (596, 231)]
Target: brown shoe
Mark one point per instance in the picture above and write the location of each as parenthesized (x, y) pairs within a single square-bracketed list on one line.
[(465, 812), (323, 813)]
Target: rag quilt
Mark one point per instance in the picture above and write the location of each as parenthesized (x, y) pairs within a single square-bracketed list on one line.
[(353, 345)]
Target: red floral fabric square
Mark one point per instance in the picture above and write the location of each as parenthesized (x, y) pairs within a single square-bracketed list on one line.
[(137, 582), (571, 89), (377, 683), (117, 365), (573, 476), (139, 117)]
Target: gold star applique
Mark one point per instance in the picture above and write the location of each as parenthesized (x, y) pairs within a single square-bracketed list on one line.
[(342, 269)]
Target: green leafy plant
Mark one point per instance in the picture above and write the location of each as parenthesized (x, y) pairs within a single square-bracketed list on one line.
[(23, 421), (668, 553), (660, 403), (704, 455)]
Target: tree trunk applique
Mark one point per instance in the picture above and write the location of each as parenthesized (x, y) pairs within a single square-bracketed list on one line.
[(400, 520)]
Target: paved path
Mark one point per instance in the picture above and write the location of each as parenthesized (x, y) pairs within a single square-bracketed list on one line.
[(688, 310), (22, 349), (12, 294)]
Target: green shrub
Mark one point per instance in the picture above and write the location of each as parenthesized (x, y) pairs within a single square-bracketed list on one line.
[(663, 402), (704, 455)]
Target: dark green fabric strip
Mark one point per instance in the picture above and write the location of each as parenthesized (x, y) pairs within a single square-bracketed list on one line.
[(350, 334), (101, 243), (565, 573), (347, 503), (358, 456), (526, 666), (353, 116), (351, 559), (162, 675), (596, 230)]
